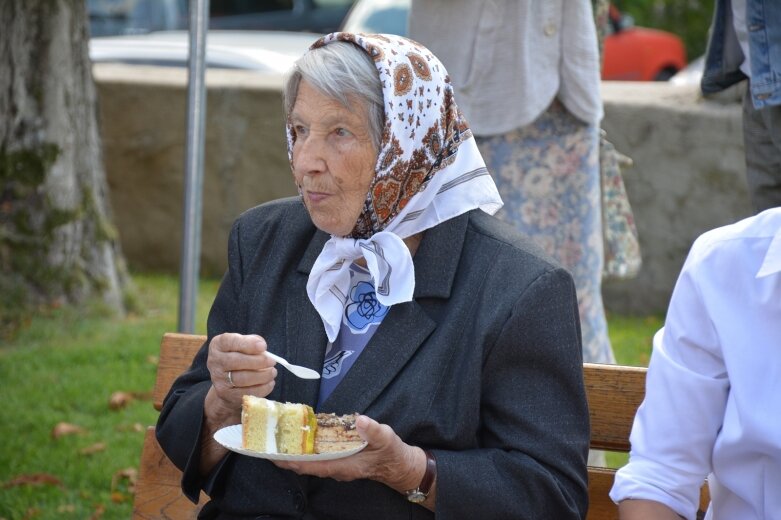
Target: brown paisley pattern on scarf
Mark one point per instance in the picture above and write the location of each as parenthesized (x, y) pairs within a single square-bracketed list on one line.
[(375, 52), (420, 66), (433, 141), (391, 154), (402, 79), (385, 195), (423, 126), (418, 168)]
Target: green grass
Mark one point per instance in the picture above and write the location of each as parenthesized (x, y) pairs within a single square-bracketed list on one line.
[(65, 365), (631, 337)]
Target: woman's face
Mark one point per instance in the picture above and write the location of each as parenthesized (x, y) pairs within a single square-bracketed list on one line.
[(333, 158)]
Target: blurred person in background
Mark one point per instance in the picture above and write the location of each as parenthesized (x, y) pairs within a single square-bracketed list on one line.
[(745, 43), (527, 77)]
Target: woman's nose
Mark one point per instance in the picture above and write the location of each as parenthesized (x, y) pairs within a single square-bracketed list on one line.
[(309, 155)]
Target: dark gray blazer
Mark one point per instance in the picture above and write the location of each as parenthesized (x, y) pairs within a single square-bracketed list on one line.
[(483, 368)]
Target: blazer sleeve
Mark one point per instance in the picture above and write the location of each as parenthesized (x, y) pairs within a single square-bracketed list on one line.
[(534, 417), (181, 418)]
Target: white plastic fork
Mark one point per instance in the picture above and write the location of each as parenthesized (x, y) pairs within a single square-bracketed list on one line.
[(296, 370)]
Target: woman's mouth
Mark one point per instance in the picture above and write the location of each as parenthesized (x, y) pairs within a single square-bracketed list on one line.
[(316, 196)]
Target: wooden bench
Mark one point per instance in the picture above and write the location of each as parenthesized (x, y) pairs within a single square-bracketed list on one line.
[(614, 393)]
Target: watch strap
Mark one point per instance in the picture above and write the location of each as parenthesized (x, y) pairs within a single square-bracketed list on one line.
[(421, 492)]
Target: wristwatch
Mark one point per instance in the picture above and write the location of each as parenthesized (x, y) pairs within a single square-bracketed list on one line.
[(420, 493)]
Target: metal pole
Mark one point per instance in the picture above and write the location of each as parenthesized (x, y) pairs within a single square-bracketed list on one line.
[(193, 169)]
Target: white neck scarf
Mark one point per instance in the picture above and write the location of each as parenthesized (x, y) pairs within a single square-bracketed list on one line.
[(428, 160)]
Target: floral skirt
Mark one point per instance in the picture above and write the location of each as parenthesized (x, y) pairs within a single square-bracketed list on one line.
[(548, 176)]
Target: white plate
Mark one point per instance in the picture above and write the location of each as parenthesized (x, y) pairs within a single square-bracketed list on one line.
[(230, 437)]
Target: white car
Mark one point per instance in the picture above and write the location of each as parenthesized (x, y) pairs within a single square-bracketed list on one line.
[(691, 74), (262, 51)]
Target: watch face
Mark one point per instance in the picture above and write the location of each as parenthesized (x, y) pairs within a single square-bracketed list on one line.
[(416, 496)]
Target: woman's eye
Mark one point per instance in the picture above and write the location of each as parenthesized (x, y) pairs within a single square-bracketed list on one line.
[(299, 130), (341, 132)]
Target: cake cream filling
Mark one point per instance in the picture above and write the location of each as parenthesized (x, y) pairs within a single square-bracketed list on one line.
[(271, 427)]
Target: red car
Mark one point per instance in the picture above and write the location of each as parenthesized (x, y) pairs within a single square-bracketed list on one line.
[(640, 54)]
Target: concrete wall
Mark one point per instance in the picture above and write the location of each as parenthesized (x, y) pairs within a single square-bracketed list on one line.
[(688, 177), (688, 173), (143, 124)]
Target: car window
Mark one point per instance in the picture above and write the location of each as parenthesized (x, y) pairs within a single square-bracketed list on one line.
[(333, 3), (378, 16), (239, 7), (115, 17), (236, 7), (119, 17), (318, 16), (392, 20)]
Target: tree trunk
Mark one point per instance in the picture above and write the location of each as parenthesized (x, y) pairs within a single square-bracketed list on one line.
[(57, 241)]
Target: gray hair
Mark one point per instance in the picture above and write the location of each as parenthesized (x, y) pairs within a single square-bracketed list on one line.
[(340, 70)]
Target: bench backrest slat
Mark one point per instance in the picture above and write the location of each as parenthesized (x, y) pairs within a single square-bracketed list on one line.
[(614, 392), (176, 354)]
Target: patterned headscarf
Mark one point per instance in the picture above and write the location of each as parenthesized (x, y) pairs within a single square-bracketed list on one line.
[(428, 170)]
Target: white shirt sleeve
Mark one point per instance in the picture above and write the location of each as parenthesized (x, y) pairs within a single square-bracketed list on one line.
[(686, 393)]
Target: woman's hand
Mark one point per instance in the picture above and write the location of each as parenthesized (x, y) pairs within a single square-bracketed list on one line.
[(386, 459), (238, 367), (251, 373)]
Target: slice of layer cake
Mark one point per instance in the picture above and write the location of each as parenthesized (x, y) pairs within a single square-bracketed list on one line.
[(259, 424), (336, 433), (272, 427), (296, 429)]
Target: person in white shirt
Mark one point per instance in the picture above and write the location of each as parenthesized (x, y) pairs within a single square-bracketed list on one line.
[(712, 405)]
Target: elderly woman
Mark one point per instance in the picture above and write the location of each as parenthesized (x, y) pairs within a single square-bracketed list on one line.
[(454, 338)]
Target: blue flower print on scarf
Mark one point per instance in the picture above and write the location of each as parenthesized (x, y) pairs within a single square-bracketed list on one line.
[(364, 308)]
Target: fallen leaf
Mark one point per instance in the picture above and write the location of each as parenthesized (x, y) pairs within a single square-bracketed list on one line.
[(95, 448), (118, 497), (153, 360), (128, 474), (143, 396), (119, 400), (135, 427), (33, 479), (62, 428), (66, 508), (99, 510)]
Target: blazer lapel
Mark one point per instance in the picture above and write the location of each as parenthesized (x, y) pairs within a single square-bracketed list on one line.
[(306, 338), (407, 325)]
